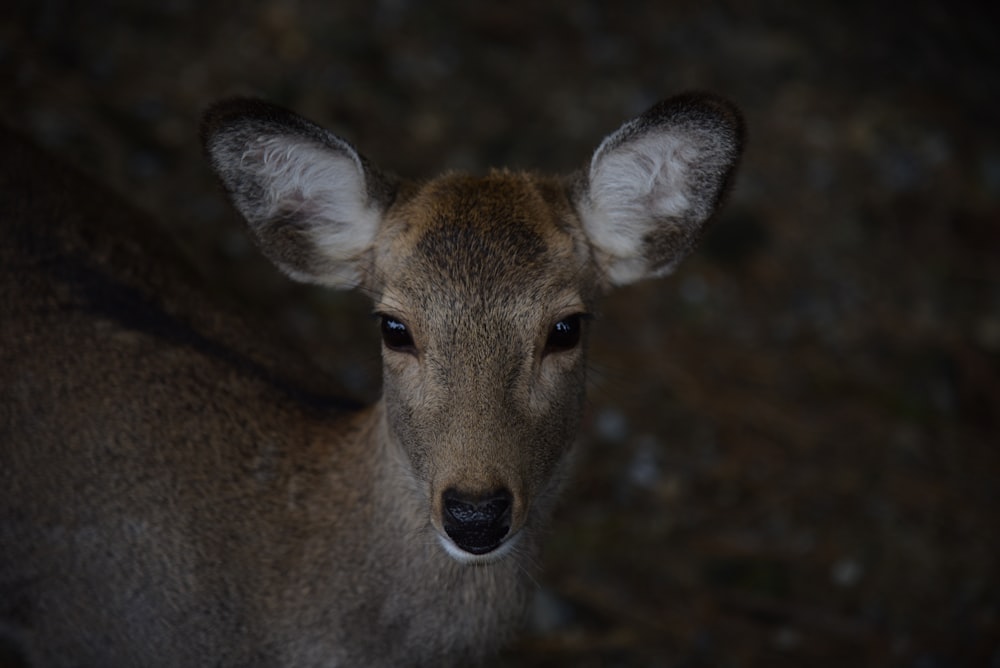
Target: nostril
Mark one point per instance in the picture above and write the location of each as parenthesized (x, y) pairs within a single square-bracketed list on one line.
[(477, 524)]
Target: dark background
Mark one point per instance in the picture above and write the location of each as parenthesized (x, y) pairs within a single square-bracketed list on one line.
[(791, 454)]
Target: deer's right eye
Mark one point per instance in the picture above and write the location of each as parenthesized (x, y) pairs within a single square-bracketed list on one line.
[(396, 335), (565, 335)]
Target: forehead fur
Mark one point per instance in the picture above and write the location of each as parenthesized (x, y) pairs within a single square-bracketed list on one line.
[(484, 237)]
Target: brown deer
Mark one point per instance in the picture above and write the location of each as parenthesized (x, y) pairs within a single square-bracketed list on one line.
[(174, 491)]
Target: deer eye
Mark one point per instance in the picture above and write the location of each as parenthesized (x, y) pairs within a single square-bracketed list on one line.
[(396, 336), (564, 335)]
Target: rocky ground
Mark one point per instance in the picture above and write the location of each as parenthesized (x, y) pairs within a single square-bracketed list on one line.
[(792, 454)]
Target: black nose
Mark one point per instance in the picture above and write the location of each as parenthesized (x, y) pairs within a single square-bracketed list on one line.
[(477, 524)]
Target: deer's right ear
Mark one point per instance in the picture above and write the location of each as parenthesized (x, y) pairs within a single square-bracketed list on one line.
[(654, 183), (313, 203)]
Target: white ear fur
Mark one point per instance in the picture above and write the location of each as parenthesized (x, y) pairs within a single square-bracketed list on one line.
[(322, 192), (653, 184), (631, 188)]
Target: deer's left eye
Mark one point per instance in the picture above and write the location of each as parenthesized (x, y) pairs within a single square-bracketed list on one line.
[(564, 335), (396, 335)]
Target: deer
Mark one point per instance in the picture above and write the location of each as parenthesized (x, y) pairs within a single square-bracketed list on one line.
[(179, 489)]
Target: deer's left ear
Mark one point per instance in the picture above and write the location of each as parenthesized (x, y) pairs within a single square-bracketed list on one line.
[(654, 183)]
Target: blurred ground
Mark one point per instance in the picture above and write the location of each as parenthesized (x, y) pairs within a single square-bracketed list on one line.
[(791, 456)]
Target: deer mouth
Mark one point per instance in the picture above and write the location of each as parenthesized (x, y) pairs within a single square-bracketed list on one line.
[(495, 553)]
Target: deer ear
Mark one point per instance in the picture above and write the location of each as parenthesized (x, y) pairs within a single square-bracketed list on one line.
[(313, 203), (654, 183)]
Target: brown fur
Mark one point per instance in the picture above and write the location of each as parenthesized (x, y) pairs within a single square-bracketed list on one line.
[(176, 494)]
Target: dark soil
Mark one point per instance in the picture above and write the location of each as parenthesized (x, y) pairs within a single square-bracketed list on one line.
[(792, 455)]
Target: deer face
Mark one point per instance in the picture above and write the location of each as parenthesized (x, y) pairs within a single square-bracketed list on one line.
[(484, 287)]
